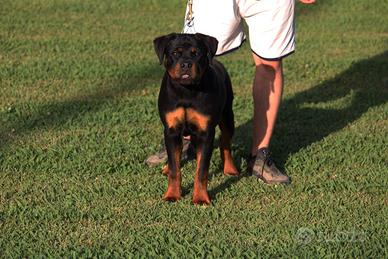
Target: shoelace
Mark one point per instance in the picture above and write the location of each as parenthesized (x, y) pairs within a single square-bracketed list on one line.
[(267, 160)]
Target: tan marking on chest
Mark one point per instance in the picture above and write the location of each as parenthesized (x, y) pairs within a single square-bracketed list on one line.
[(175, 117), (190, 115), (198, 119)]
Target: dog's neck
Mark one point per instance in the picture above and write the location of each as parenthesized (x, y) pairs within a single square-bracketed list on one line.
[(193, 86)]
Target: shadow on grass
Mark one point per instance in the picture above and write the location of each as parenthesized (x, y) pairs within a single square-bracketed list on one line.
[(300, 122), (60, 113)]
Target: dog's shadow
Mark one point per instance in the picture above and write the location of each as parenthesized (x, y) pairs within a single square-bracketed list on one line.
[(300, 123)]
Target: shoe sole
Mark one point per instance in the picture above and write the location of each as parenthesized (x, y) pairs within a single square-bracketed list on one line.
[(259, 177), (161, 158)]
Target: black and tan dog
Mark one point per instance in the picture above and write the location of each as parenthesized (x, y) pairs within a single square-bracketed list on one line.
[(195, 96)]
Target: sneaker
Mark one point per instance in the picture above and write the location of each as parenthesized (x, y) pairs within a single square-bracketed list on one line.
[(188, 153), (263, 167)]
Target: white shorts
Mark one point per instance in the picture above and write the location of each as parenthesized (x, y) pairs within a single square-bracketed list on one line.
[(270, 23)]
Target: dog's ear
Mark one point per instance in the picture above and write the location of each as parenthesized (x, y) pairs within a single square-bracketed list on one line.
[(160, 45), (210, 42)]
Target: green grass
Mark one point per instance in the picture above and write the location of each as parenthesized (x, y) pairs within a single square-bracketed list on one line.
[(78, 87)]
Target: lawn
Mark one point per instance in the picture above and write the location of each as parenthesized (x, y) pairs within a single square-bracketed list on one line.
[(78, 116)]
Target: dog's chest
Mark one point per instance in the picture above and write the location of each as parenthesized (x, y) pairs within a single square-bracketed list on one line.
[(182, 116)]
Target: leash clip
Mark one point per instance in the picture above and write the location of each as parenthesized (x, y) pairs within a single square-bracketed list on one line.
[(189, 16), (189, 24)]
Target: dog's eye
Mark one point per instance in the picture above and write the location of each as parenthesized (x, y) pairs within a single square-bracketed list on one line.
[(194, 53), (177, 54)]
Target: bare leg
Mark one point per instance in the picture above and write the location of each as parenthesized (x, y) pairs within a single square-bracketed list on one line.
[(267, 93), (307, 1)]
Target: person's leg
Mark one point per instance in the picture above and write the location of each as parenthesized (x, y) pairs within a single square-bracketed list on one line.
[(267, 92), (271, 36), (307, 1)]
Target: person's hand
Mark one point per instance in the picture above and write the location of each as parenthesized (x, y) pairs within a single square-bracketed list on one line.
[(307, 1)]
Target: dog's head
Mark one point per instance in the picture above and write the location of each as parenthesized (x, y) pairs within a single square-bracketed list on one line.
[(185, 56)]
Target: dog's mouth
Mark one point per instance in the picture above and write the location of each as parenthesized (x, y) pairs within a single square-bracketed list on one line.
[(187, 79), (185, 76)]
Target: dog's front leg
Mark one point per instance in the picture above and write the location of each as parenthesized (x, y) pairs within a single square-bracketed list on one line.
[(204, 152), (173, 142)]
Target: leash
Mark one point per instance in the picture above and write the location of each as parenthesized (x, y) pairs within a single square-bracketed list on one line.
[(189, 20)]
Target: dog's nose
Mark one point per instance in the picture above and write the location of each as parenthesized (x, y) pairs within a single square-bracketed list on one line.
[(186, 65)]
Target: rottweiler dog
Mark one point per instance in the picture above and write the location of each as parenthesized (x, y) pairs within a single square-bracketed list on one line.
[(195, 96)]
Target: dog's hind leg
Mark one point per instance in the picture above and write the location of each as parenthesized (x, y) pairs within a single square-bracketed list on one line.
[(227, 129)]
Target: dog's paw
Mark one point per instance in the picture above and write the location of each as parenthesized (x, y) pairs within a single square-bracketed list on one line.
[(172, 195), (230, 170), (200, 198)]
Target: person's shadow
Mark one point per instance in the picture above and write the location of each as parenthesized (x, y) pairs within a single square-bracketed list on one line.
[(300, 122)]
